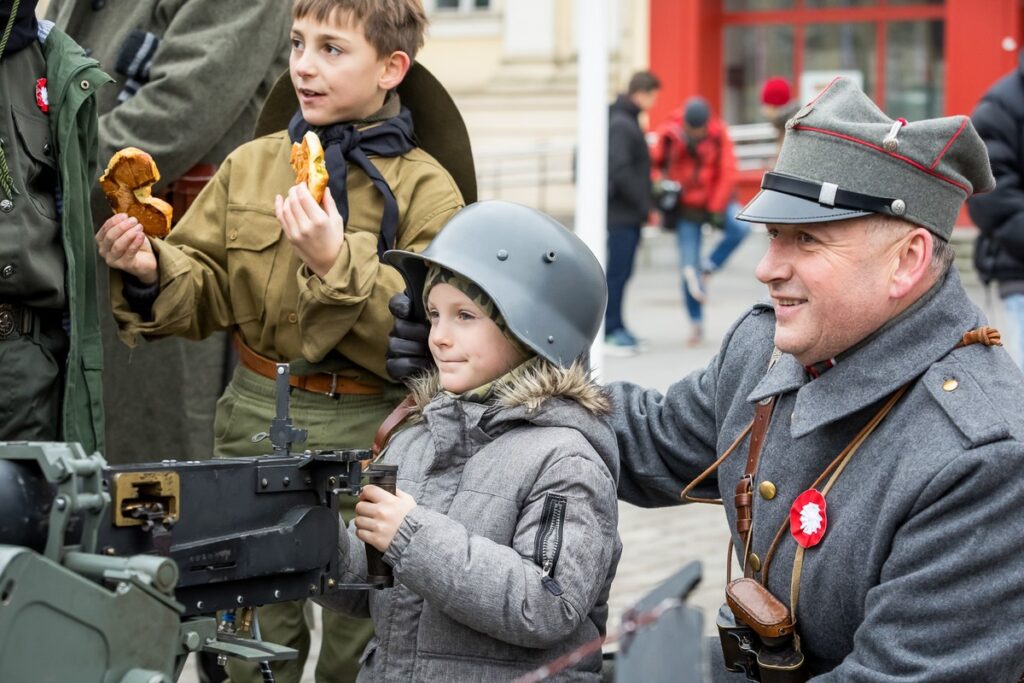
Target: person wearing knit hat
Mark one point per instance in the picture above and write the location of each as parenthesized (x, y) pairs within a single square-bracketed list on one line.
[(502, 533), (777, 104), (693, 149)]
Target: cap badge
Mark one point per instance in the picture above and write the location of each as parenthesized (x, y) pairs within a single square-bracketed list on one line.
[(890, 143), (899, 207), (807, 520)]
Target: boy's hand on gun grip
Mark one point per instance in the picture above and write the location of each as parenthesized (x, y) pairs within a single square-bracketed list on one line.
[(408, 353), (123, 245), (316, 232), (379, 514)]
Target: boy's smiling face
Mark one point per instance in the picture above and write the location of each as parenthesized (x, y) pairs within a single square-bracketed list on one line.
[(337, 74), (468, 347)]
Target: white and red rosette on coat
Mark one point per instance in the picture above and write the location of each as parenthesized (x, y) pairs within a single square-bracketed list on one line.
[(807, 519)]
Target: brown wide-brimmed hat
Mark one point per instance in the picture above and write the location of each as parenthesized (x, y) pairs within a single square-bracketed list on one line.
[(438, 125)]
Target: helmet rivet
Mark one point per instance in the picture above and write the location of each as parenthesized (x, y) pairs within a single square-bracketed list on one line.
[(551, 340), (550, 257), (502, 255)]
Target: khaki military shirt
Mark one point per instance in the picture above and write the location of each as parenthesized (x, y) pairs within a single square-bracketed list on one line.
[(228, 264), (31, 254)]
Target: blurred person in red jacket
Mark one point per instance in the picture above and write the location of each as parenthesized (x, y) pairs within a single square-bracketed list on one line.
[(693, 149)]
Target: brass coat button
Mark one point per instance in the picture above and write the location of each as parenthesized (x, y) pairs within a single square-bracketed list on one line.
[(233, 235), (767, 490), (950, 385), (292, 318), (754, 561)]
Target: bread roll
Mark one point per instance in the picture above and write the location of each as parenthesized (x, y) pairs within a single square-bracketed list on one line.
[(128, 185), (307, 160)]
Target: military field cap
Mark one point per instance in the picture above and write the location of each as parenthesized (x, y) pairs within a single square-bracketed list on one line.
[(843, 158), (437, 123)]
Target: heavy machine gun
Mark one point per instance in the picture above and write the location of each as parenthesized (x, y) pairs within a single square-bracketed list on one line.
[(111, 574)]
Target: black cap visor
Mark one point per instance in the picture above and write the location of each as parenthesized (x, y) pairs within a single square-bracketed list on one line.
[(770, 206)]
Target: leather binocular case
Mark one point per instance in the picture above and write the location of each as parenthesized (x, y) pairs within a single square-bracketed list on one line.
[(757, 635)]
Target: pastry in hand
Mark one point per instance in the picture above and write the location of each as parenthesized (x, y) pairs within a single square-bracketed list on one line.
[(307, 160), (128, 185)]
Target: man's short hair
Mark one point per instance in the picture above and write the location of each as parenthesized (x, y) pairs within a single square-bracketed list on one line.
[(389, 25), (943, 254), (643, 81)]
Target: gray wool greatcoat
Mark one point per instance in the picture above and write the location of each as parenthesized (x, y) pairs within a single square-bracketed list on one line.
[(920, 574)]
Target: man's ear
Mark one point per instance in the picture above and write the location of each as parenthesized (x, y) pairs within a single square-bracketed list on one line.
[(396, 65), (913, 264)]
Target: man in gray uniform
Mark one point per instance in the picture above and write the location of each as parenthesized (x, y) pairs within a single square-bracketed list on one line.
[(873, 401), (192, 77), (861, 429)]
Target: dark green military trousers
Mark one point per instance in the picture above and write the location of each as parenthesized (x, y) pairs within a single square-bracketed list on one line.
[(347, 421), (31, 382)]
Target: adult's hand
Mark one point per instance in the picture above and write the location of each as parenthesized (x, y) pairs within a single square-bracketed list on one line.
[(408, 353), (123, 245)]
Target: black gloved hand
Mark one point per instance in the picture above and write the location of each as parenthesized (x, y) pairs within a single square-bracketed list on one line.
[(408, 354), (716, 219)]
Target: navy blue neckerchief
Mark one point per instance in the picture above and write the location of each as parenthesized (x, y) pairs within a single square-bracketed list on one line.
[(343, 144), (23, 28)]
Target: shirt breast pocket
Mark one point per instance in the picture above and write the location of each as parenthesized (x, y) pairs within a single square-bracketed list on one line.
[(36, 162), (253, 254)]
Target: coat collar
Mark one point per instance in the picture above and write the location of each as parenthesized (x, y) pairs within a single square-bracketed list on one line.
[(900, 351)]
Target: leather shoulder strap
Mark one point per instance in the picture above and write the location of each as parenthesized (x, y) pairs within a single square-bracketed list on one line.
[(391, 422)]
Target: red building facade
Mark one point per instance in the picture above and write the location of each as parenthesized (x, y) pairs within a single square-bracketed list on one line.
[(915, 58)]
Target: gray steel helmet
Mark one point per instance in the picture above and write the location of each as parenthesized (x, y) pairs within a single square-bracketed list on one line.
[(545, 281)]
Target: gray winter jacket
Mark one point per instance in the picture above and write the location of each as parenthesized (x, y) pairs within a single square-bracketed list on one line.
[(506, 561), (920, 573)]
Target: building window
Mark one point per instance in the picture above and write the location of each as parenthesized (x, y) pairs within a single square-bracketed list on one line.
[(815, 4), (462, 5), (752, 55), (915, 69), (757, 5), (838, 49)]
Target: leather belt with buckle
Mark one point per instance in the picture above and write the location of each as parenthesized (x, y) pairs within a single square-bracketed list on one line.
[(328, 383), (15, 320)]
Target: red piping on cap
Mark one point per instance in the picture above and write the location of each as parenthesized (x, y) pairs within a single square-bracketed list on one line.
[(823, 91), (879, 149), (963, 124)]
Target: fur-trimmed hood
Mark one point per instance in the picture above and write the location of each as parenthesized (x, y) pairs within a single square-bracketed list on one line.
[(542, 395), (529, 389)]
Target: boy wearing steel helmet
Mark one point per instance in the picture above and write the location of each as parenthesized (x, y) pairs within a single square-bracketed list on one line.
[(502, 535)]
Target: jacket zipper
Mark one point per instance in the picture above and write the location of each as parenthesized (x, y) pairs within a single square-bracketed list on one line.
[(549, 540)]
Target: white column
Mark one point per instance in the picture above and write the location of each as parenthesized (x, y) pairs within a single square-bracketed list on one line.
[(592, 136)]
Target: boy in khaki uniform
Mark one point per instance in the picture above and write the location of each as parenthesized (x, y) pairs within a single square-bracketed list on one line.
[(298, 281)]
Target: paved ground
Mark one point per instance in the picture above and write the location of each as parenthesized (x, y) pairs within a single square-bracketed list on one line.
[(659, 542)]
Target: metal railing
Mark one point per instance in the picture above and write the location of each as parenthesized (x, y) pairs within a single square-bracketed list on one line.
[(531, 175), (542, 174)]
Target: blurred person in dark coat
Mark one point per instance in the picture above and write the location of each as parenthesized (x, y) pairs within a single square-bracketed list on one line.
[(192, 76), (629, 200), (999, 215)]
